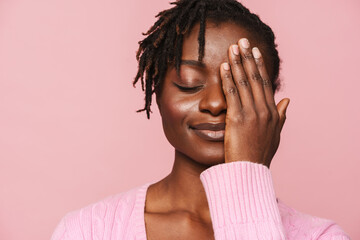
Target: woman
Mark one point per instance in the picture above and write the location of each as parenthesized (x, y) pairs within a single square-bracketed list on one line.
[(214, 68)]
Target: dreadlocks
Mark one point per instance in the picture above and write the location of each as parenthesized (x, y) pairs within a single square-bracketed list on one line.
[(163, 44)]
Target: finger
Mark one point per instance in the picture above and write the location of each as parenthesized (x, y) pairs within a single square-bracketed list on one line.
[(267, 86), (252, 72), (230, 91), (282, 107), (239, 77)]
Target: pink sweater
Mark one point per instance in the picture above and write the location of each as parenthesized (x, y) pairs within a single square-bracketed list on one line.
[(242, 205)]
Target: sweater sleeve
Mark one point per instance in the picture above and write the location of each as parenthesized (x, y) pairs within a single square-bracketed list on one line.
[(242, 201), (60, 230), (70, 228)]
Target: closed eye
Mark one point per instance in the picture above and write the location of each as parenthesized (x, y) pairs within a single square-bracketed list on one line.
[(188, 89)]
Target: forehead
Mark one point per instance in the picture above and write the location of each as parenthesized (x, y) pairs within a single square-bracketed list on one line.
[(218, 38)]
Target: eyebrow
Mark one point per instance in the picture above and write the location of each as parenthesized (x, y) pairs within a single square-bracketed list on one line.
[(193, 63)]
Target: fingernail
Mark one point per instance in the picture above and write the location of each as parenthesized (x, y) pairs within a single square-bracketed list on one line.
[(244, 43), (226, 66), (235, 49), (256, 52)]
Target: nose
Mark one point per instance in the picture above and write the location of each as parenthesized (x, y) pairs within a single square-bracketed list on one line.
[(213, 100)]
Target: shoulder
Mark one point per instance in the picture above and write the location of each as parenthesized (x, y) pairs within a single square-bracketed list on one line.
[(101, 220), (298, 225)]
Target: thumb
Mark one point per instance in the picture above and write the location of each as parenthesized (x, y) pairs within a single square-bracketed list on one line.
[(282, 107)]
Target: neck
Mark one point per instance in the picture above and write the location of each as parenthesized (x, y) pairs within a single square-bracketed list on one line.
[(182, 189)]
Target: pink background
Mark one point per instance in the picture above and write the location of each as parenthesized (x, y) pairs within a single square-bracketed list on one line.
[(69, 134)]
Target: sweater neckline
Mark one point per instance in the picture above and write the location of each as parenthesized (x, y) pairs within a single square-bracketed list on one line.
[(140, 211)]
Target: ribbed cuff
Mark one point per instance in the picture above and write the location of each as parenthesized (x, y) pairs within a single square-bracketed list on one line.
[(240, 192)]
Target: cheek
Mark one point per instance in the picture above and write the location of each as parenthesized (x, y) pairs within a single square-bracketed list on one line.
[(176, 110), (174, 114)]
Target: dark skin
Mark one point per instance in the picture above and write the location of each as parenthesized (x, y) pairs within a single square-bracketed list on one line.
[(232, 87)]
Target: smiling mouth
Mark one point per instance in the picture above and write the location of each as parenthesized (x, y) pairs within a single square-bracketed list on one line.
[(209, 135), (210, 131)]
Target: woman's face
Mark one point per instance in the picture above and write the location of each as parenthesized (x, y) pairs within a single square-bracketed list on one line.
[(183, 110)]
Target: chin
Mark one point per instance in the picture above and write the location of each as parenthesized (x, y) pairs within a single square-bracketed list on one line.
[(202, 152), (210, 157), (212, 162)]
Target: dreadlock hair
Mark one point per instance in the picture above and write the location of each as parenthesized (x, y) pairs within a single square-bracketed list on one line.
[(163, 44)]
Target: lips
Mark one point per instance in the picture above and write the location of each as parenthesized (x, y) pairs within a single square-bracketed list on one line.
[(210, 131), (210, 126)]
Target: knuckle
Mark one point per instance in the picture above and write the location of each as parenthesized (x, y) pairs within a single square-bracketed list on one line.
[(243, 82), (251, 116), (231, 91), (266, 83), (259, 62), (265, 115), (227, 75), (248, 56), (236, 61), (256, 77), (237, 119)]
